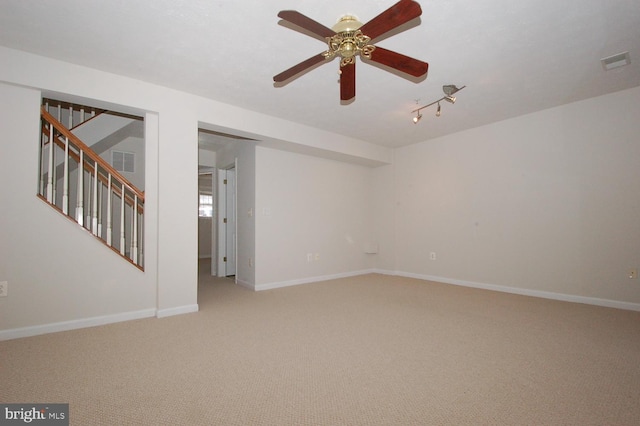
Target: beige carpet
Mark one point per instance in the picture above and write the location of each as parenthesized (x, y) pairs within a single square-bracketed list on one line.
[(369, 350)]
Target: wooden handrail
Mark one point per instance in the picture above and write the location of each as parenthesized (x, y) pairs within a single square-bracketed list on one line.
[(60, 128), (91, 169)]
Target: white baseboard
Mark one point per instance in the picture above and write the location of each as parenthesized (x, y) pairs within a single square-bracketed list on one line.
[(270, 286), (245, 284), (384, 272), (524, 291), (161, 313), (169, 312), (35, 330)]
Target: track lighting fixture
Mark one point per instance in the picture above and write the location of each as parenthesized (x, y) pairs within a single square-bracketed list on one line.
[(448, 90)]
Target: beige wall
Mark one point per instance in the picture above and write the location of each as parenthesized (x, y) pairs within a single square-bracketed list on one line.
[(546, 202), (309, 205)]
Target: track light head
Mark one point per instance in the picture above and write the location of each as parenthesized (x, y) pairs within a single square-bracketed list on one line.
[(438, 110), (450, 89), (417, 118), (451, 99)]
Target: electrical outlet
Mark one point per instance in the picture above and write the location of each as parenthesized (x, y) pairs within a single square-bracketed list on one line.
[(309, 257), (432, 255), (317, 257), (4, 288), (633, 273)]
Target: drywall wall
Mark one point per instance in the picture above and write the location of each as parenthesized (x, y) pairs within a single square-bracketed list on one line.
[(205, 234), (57, 272), (177, 210), (309, 206), (136, 147), (383, 232), (547, 201)]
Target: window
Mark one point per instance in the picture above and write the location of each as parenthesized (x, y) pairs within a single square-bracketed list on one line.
[(123, 161), (205, 207)]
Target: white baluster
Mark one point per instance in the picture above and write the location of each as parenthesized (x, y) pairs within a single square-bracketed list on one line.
[(65, 189), (80, 203), (101, 204), (122, 236), (43, 145), (141, 238), (54, 172), (87, 198), (50, 169), (134, 232), (81, 115), (109, 213), (94, 210), (70, 116)]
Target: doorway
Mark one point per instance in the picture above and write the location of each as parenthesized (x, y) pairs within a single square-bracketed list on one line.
[(206, 225)]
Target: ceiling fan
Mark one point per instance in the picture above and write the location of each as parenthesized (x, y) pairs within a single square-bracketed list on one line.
[(350, 38)]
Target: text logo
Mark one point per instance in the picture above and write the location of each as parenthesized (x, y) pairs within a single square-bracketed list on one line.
[(35, 414)]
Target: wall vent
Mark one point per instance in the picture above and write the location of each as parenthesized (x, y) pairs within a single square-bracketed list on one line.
[(616, 61), (123, 161)]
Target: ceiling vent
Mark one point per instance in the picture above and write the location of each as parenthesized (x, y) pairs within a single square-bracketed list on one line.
[(616, 61)]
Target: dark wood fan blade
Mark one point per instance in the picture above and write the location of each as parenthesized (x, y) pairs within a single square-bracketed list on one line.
[(348, 82), (285, 75), (305, 22), (398, 14), (400, 62)]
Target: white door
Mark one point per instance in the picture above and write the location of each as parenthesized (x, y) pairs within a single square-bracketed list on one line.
[(226, 223), (231, 222)]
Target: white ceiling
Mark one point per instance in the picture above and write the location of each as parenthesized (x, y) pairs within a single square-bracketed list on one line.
[(515, 57)]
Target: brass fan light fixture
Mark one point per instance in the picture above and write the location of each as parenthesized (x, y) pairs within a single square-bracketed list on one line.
[(348, 41), (449, 91), (350, 38)]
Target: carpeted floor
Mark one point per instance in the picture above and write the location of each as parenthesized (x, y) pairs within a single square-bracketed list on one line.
[(368, 350)]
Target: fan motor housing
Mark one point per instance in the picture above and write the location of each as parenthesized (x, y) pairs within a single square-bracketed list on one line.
[(347, 23)]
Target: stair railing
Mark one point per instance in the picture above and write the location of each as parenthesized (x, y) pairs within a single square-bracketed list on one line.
[(75, 115), (106, 203)]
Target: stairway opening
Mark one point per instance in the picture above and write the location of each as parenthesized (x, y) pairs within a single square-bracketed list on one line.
[(82, 177)]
